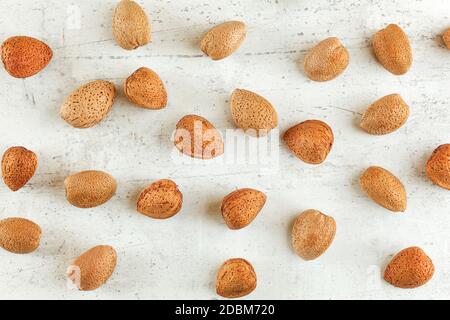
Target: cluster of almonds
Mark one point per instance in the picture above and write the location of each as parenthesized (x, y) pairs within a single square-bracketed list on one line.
[(311, 141)]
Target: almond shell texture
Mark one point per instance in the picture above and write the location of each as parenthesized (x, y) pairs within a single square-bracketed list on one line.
[(410, 268), (384, 188), (446, 38), (241, 207), (160, 200), (311, 141), (223, 40), (20, 236), (438, 166), (236, 278), (18, 167), (24, 57), (312, 234), (146, 89)]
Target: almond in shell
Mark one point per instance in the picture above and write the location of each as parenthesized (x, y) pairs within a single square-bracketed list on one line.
[(89, 104), (311, 141), (131, 27), (20, 236), (312, 234), (18, 167), (160, 200), (146, 89), (93, 268), (223, 40), (198, 138), (386, 115), (410, 268), (392, 49), (241, 207), (253, 113), (236, 278), (88, 189), (384, 188), (327, 60), (438, 166), (446, 38), (24, 57)]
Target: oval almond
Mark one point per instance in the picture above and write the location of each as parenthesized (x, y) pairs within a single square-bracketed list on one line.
[(410, 268), (327, 60), (386, 115), (18, 235), (253, 113), (223, 40), (241, 207), (311, 141), (131, 27), (88, 189), (24, 57), (89, 104), (146, 89), (312, 234), (438, 166), (160, 200), (392, 49), (384, 188), (18, 167), (236, 278), (93, 268), (446, 38), (198, 138)]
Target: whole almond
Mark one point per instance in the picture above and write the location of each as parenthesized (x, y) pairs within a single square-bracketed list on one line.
[(223, 40), (24, 57), (146, 89), (410, 268), (312, 234), (89, 104), (385, 115), (392, 49), (131, 27), (236, 278), (384, 188), (253, 113), (311, 141), (241, 207), (93, 268), (160, 200), (446, 38), (327, 60), (88, 189), (198, 138), (18, 167), (18, 235), (438, 166)]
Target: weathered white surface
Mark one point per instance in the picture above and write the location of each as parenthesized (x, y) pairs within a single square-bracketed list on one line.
[(179, 258)]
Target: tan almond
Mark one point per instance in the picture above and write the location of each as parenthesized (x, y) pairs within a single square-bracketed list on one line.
[(384, 188), (236, 278), (89, 104), (24, 57), (93, 268), (386, 115), (198, 138), (311, 141), (253, 113), (312, 234), (392, 49), (88, 189), (327, 60), (18, 235), (160, 200), (241, 207), (446, 38), (131, 27), (410, 268), (438, 166), (18, 167), (223, 40), (146, 89)]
